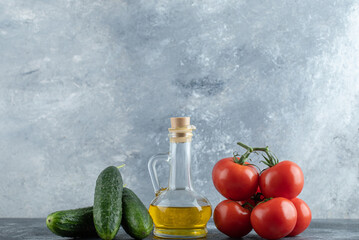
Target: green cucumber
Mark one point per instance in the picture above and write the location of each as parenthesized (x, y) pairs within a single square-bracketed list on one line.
[(72, 223), (107, 208), (136, 220)]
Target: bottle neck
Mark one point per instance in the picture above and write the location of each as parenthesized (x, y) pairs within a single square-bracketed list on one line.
[(180, 172)]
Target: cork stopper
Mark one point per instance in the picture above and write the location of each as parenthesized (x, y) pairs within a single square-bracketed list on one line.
[(180, 122), (181, 130)]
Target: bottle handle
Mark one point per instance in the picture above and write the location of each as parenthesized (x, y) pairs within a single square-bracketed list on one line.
[(152, 169)]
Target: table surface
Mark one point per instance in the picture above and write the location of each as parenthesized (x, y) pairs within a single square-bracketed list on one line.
[(35, 228)]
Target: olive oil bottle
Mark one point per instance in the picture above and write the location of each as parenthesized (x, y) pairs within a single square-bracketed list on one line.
[(178, 211)]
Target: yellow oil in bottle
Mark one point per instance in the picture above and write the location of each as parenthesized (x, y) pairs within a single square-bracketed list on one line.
[(183, 222)]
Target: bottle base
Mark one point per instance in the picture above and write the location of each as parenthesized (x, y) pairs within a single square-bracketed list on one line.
[(180, 233)]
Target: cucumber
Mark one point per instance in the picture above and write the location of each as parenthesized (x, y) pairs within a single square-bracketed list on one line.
[(72, 223), (107, 208), (136, 220)]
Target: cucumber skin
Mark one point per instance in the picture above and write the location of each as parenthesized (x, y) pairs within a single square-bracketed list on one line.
[(72, 223), (136, 220), (107, 208)]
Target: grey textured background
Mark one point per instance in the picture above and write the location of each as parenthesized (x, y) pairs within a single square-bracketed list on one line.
[(87, 84)]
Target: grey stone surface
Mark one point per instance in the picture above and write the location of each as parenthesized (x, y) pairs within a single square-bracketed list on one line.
[(87, 84), (13, 229)]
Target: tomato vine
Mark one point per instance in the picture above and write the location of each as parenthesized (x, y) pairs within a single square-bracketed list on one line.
[(270, 158)]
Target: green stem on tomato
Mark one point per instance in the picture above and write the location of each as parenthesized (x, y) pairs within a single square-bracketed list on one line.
[(248, 204), (265, 149), (248, 148), (265, 200), (270, 160), (257, 197)]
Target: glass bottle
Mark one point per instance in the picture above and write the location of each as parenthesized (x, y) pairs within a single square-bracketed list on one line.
[(178, 211)]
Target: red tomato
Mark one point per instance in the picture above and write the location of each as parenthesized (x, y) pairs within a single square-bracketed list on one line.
[(304, 216), (232, 219), (274, 219), (235, 181), (284, 179)]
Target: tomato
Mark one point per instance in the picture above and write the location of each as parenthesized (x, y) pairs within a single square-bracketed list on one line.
[(274, 219), (304, 216), (233, 180), (232, 219), (284, 179)]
